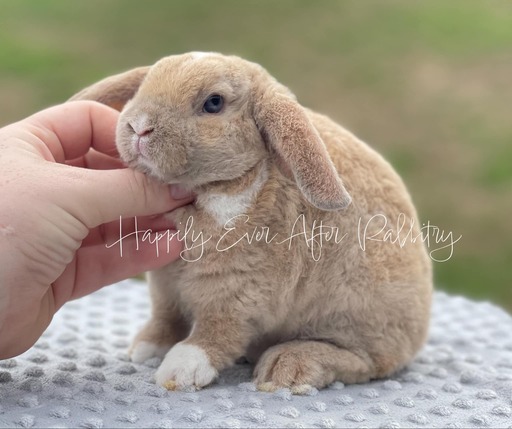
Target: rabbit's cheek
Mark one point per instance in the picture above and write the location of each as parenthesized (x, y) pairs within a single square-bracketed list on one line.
[(211, 132)]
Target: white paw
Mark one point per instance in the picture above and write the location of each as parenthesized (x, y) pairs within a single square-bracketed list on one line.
[(145, 350), (184, 366)]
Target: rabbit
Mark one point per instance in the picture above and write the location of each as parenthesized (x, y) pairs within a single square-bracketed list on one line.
[(310, 266)]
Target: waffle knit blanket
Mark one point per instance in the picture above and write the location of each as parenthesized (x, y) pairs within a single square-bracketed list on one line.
[(79, 375)]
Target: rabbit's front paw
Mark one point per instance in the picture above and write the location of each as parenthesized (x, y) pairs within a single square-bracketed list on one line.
[(185, 366), (144, 350)]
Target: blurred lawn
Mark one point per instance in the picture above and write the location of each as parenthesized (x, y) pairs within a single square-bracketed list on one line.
[(428, 84)]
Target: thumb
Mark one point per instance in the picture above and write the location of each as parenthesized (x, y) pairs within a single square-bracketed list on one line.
[(101, 196)]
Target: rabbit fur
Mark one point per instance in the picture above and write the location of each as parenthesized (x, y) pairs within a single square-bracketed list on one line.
[(306, 309)]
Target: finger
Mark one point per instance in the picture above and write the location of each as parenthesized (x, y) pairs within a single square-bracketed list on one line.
[(96, 161), (113, 231), (101, 196), (69, 130), (97, 266)]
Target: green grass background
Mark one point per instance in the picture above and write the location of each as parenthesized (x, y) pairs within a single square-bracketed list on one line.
[(427, 83)]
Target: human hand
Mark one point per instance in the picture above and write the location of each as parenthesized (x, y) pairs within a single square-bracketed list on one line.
[(62, 192)]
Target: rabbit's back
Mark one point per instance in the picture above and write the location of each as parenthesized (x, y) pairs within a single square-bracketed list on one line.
[(375, 285)]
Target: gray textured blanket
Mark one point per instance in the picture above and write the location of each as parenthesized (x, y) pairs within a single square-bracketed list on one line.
[(78, 375)]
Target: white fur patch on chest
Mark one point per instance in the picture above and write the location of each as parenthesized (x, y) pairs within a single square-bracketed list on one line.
[(224, 207)]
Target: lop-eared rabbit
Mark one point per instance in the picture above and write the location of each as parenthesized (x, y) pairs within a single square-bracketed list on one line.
[(306, 258)]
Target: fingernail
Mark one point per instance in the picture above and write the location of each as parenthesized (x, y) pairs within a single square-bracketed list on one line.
[(180, 193)]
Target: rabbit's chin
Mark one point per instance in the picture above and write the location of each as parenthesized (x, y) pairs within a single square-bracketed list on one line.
[(149, 168)]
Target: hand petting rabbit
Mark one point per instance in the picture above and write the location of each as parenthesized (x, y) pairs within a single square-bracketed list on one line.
[(224, 128)]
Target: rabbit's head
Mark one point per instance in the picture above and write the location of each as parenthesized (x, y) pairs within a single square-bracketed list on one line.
[(199, 118)]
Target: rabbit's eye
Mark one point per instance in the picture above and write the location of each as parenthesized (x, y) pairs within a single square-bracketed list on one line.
[(213, 104)]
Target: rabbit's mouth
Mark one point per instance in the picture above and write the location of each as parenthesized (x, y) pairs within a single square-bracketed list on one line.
[(144, 166)]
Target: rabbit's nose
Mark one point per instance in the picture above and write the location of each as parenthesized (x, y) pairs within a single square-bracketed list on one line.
[(141, 129), (144, 132)]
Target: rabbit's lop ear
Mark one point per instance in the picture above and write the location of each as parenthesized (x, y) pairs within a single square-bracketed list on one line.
[(286, 127), (114, 91)]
